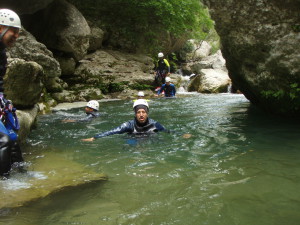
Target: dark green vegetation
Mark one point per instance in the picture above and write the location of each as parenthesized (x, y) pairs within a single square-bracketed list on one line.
[(146, 23), (290, 98)]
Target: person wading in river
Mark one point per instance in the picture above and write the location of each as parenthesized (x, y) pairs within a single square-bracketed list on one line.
[(141, 124), (168, 88), (10, 152)]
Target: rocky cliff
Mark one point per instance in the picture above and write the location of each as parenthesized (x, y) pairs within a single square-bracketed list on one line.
[(261, 44)]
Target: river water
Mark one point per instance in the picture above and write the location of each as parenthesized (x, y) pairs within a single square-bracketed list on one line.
[(239, 166)]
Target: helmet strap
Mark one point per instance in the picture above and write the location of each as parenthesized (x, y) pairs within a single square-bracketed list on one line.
[(3, 33)]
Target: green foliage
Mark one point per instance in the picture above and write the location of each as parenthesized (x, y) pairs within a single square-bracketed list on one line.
[(140, 87), (131, 18), (111, 87), (187, 48), (290, 97)]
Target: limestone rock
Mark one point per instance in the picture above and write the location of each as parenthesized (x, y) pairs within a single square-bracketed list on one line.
[(210, 81), (23, 83), (67, 30), (260, 43), (47, 174)]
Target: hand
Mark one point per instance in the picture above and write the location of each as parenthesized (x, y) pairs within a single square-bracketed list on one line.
[(68, 121), (88, 139)]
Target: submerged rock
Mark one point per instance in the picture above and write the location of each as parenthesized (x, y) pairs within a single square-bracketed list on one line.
[(44, 178)]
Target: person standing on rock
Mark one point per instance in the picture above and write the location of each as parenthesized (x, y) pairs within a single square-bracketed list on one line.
[(10, 152), (162, 70)]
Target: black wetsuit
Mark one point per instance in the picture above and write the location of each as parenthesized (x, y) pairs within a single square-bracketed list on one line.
[(134, 127)]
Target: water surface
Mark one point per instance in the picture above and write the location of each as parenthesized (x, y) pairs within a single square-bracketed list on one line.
[(240, 166)]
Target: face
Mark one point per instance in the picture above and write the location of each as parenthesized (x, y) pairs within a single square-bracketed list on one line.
[(10, 36), (141, 115), (88, 110), (167, 83)]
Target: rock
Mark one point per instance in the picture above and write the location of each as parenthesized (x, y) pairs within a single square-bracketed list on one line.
[(96, 38), (200, 50), (27, 119), (46, 174), (29, 49), (67, 65), (23, 83), (260, 43), (210, 81), (21, 6), (67, 30)]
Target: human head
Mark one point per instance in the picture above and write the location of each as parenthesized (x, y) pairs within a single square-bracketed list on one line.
[(168, 80), (141, 109), (160, 55), (140, 94), (93, 104), (10, 25)]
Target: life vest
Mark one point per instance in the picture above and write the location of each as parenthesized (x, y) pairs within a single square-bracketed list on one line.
[(163, 64)]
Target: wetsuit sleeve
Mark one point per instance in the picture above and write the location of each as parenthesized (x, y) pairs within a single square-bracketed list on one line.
[(124, 128), (167, 64), (161, 89), (174, 89), (159, 127)]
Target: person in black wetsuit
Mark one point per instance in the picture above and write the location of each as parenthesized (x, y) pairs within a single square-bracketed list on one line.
[(10, 152), (161, 70), (141, 124), (91, 111)]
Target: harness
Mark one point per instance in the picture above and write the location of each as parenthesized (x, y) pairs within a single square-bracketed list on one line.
[(148, 128), (9, 118)]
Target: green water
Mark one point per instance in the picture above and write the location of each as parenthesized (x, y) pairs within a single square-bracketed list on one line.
[(239, 167)]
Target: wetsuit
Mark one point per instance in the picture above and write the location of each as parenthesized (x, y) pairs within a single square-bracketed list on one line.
[(170, 90), (9, 149), (162, 68), (89, 116), (134, 127)]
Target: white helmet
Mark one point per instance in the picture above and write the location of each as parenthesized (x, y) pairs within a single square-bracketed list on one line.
[(9, 18), (160, 55), (140, 102), (168, 79), (141, 94), (93, 104)]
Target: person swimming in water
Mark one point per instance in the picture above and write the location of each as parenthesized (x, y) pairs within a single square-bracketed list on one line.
[(91, 111), (141, 124)]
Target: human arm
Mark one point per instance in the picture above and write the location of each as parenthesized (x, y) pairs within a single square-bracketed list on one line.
[(159, 127), (161, 89), (124, 128), (168, 66)]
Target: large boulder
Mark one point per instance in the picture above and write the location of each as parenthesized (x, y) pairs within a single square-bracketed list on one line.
[(210, 81), (29, 49), (22, 6), (23, 83), (112, 66), (260, 43), (67, 32), (27, 119)]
